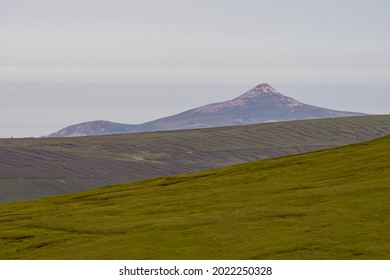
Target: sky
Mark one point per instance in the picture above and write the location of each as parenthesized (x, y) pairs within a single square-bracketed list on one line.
[(69, 61)]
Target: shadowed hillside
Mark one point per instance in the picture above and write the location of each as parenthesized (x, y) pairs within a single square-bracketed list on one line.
[(32, 168), (331, 204)]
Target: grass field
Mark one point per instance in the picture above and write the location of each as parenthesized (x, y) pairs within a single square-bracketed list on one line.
[(33, 168), (329, 204)]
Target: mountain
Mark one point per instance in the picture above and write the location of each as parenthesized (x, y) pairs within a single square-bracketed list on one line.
[(259, 105)]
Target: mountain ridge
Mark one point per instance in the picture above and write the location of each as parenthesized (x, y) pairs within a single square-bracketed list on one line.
[(260, 104)]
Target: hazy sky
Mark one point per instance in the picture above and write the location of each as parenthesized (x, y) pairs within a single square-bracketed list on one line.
[(68, 61)]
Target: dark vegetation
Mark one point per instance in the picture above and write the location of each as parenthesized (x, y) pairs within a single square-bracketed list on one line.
[(33, 168)]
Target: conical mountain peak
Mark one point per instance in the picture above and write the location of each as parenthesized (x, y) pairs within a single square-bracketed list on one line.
[(259, 105), (260, 90), (264, 87)]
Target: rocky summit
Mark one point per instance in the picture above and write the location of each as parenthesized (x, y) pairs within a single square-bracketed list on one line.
[(261, 104)]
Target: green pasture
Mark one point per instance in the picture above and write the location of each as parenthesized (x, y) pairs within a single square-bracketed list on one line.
[(329, 204)]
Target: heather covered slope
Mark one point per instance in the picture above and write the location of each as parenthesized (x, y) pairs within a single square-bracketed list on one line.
[(329, 204), (32, 168)]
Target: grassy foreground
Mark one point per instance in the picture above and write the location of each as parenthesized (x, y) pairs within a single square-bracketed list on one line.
[(331, 204)]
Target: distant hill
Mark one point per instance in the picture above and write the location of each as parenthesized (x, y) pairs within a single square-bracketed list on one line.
[(259, 105), (94, 128), (33, 168), (332, 204)]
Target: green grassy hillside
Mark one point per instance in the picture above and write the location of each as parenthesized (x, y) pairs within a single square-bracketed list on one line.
[(32, 168), (330, 204)]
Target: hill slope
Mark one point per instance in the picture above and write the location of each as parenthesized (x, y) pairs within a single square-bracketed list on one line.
[(260, 104), (331, 204), (94, 128), (32, 168)]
